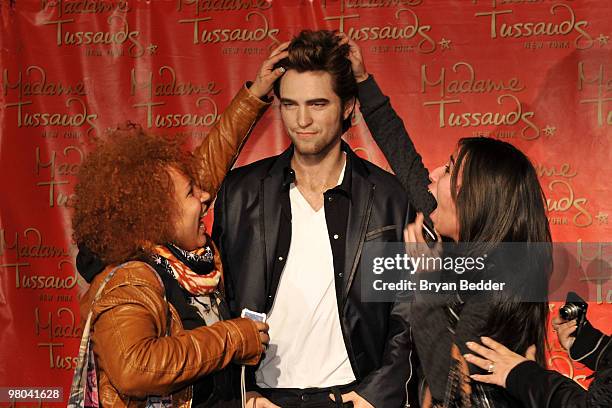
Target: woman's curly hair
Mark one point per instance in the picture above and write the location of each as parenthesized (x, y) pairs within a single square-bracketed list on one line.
[(125, 196)]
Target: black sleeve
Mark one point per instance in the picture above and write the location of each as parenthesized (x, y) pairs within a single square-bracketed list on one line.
[(88, 263), (390, 135), (536, 387), (592, 348)]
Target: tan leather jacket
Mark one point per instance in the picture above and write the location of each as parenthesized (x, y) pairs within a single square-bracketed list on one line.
[(134, 357)]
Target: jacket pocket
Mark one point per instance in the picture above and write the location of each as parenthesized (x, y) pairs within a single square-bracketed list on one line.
[(387, 233)]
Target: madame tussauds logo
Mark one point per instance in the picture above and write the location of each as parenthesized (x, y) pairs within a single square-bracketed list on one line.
[(565, 23), (118, 33), (167, 84), (223, 5), (408, 25), (203, 34), (205, 30), (410, 30), (596, 91), (84, 6), (561, 197), (462, 79), (35, 83), (30, 244), (381, 3)]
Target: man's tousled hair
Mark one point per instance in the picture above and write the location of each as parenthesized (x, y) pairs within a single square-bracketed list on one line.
[(321, 51)]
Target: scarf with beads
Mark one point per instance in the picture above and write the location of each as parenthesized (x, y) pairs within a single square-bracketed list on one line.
[(194, 270)]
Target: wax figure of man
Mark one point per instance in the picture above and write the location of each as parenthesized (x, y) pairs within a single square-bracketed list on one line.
[(291, 230)]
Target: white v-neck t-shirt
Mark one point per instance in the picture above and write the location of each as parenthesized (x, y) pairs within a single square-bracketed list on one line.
[(306, 345)]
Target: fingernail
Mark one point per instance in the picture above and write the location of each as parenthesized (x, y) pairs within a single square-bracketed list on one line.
[(466, 356), (281, 69), (469, 343)]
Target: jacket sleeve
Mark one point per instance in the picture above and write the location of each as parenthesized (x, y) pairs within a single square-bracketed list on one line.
[(537, 387), (216, 155), (390, 134), (592, 348), (131, 348)]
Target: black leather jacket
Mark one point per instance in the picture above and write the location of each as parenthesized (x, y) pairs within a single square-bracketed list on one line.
[(247, 222)]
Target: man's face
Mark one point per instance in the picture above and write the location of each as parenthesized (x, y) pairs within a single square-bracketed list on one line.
[(312, 112)]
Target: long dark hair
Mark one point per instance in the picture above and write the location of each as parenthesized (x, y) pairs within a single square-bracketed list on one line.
[(500, 200)]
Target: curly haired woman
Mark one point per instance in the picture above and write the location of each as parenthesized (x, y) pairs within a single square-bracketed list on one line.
[(159, 328)]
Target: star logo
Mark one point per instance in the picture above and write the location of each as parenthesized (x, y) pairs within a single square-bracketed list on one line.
[(152, 49), (444, 44), (602, 218), (549, 130), (603, 39)]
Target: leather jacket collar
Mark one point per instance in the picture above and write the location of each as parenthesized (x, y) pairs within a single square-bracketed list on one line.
[(282, 166)]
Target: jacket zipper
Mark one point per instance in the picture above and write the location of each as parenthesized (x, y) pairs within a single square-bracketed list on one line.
[(484, 395), (410, 375)]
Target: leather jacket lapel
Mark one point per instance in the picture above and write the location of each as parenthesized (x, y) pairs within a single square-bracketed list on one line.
[(270, 219), (362, 192), (270, 212)]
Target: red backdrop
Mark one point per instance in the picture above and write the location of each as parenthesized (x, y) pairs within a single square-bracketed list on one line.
[(536, 73)]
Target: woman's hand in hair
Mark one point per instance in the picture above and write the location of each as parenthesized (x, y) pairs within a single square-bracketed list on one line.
[(416, 246), (264, 81), (495, 358), (359, 70)]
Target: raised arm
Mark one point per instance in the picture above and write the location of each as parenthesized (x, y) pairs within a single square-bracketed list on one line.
[(389, 133), (216, 155)]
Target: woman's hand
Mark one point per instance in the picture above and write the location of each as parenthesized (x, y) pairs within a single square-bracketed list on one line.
[(415, 242), (264, 337), (495, 358), (264, 81), (255, 400), (357, 64), (564, 330)]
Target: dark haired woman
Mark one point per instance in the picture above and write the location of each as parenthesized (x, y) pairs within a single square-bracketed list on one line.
[(487, 194), (158, 327)]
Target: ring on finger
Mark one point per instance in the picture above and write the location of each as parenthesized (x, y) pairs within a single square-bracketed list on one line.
[(491, 368)]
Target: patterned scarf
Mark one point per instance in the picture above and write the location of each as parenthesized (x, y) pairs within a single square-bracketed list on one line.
[(194, 270)]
